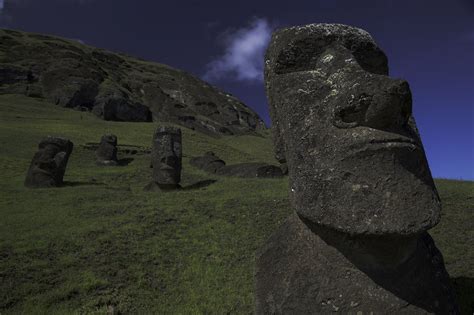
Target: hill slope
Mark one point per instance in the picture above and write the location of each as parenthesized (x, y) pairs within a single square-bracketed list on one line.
[(101, 242), (116, 86)]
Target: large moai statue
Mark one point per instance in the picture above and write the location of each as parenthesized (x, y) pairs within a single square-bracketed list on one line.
[(166, 156), (359, 183), (106, 153), (49, 164)]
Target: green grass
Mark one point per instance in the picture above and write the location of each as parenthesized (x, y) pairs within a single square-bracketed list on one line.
[(102, 242)]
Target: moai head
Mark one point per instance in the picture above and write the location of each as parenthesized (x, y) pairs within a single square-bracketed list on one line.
[(166, 156), (107, 150), (356, 162), (49, 164)]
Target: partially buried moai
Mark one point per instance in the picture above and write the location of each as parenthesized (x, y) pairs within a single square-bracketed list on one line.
[(166, 156), (106, 153), (359, 183), (49, 163)]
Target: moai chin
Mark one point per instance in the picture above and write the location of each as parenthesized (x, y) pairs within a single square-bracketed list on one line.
[(106, 153), (166, 157), (360, 184), (49, 163)]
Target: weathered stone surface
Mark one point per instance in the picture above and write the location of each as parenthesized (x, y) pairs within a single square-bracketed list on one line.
[(49, 164), (251, 170), (209, 162), (167, 157), (116, 86), (359, 183), (106, 153), (348, 129), (305, 271)]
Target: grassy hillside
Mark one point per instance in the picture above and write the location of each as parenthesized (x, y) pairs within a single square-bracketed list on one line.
[(101, 243)]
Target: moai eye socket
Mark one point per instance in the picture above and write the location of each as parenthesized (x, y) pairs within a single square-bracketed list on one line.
[(371, 58), (300, 56)]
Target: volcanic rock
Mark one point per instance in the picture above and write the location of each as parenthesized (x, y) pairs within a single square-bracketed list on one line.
[(209, 162), (116, 86)]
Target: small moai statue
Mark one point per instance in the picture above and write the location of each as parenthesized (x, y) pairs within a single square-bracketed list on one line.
[(166, 156), (49, 163), (359, 183), (106, 153)]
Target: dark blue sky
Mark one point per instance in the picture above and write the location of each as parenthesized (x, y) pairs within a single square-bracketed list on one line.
[(430, 43)]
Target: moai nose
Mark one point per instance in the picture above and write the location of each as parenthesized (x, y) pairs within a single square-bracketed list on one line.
[(170, 160), (386, 107), (391, 107)]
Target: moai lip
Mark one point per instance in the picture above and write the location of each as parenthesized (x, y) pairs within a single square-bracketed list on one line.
[(106, 153), (167, 157), (346, 131), (49, 163)]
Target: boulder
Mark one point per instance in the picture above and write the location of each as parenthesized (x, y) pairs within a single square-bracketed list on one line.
[(212, 164), (209, 162)]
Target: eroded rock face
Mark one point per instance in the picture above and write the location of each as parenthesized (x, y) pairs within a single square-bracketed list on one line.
[(117, 87), (167, 157), (49, 164), (360, 184), (106, 153)]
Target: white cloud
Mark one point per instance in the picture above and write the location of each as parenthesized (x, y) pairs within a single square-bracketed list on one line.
[(243, 55)]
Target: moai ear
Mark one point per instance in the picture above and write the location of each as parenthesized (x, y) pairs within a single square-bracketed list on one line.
[(278, 143)]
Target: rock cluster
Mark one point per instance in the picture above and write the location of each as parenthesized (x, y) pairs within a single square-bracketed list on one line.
[(49, 164), (166, 159), (211, 163), (359, 182), (106, 153)]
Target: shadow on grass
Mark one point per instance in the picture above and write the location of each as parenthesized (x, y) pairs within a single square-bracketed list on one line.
[(75, 184), (200, 184), (464, 288), (125, 161)]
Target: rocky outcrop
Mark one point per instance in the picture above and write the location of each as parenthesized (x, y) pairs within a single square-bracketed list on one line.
[(116, 86), (49, 164), (359, 182)]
